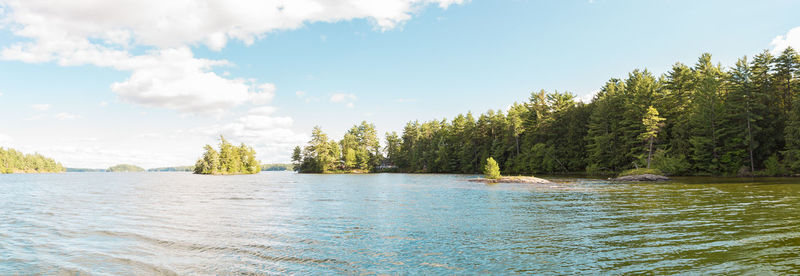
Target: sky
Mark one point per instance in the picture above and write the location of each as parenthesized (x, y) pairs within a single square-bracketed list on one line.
[(94, 83)]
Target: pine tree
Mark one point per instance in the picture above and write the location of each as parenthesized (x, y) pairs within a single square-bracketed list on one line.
[(705, 116), (743, 105), (297, 158)]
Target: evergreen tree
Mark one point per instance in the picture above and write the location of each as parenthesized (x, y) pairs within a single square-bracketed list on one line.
[(771, 137), (491, 170), (705, 116), (786, 67), (297, 158), (742, 120), (393, 149)]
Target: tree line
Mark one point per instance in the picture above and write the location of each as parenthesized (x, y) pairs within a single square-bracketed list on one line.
[(229, 159), (13, 161), (702, 119)]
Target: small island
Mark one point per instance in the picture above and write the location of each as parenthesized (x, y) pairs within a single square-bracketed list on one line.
[(125, 168), (228, 160), (491, 173)]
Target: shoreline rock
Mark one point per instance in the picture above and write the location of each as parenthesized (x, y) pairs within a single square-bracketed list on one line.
[(513, 179), (642, 177)]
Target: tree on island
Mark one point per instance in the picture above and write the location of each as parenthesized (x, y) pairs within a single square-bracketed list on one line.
[(358, 151), (229, 159), (491, 170), (125, 168), (652, 124)]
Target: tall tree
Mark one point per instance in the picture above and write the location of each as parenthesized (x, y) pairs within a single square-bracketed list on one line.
[(652, 124), (705, 116), (743, 118)]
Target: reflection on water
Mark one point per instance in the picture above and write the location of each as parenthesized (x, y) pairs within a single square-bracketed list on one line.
[(274, 223)]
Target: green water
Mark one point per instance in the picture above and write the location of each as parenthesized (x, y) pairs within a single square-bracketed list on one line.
[(285, 223)]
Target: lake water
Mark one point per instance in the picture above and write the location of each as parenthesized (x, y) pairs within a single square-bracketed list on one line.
[(280, 222)]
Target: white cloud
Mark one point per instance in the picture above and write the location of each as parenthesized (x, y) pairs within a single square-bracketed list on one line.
[(588, 97), (303, 95), (781, 42), (41, 107), (271, 137), (1, 93), (66, 116), (342, 97), (175, 79), (5, 140), (168, 24), (262, 110), (152, 40), (264, 95), (103, 104), (347, 99), (166, 74)]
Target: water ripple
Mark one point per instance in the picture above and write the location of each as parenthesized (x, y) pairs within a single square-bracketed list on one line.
[(284, 223)]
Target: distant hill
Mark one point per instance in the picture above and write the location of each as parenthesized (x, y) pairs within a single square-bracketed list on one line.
[(277, 167), (172, 169), (125, 168), (84, 170), (13, 161)]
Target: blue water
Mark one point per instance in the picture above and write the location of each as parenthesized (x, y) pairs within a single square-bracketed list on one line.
[(285, 223)]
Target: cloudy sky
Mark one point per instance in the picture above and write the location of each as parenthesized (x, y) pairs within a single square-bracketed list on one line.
[(93, 83)]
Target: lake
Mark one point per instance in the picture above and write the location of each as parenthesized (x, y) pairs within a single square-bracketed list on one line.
[(281, 222)]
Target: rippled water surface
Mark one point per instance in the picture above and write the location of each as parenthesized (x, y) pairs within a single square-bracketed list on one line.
[(278, 222)]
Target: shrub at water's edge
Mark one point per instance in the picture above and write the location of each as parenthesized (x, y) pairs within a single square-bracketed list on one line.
[(491, 170), (13, 161), (229, 159), (125, 168)]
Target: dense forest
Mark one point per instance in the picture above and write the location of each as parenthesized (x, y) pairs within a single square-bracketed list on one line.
[(229, 159), (13, 161), (701, 119)]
